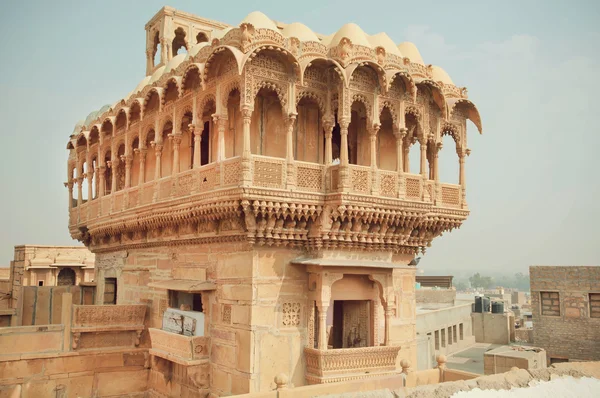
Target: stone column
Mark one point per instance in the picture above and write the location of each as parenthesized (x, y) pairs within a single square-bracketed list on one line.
[(69, 185), (291, 177), (423, 168), (114, 168), (406, 158), (221, 123), (373, 141), (197, 145), (90, 179), (101, 180), (164, 51), (399, 134), (79, 187), (388, 321), (158, 152), (142, 177), (246, 150), (128, 159), (176, 139), (344, 169), (436, 152), (328, 127), (322, 342), (149, 61)]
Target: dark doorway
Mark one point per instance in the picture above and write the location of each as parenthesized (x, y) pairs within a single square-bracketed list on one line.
[(66, 277), (110, 290), (205, 144)]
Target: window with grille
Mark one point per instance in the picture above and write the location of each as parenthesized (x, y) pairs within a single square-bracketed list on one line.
[(594, 305), (550, 303)]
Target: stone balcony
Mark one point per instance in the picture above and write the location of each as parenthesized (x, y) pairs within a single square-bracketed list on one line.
[(216, 193), (185, 350), (330, 366)]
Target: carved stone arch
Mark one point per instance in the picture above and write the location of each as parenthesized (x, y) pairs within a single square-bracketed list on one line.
[(136, 105), (437, 93), (456, 105), (106, 122), (315, 96), (354, 72), (204, 101), (260, 55), (187, 73), (366, 102), (391, 107), (163, 122), (317, 62), (212, 59), (178, 86), (278, 88), (145, 131), (227, 88), (81, 141), (119, 112), (148, 96), (407, 81)]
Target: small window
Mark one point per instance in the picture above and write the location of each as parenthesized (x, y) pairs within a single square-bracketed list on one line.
[(461, 330), (437, 340), (40, 283), (454, 336), (550, 303), (443, 337), (594, 305), (186, 301)]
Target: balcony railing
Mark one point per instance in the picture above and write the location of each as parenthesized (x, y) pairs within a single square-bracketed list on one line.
[(179, 348), (269, 172), (323, 366)]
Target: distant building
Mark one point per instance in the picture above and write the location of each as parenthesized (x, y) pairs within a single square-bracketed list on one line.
[(565, 303)]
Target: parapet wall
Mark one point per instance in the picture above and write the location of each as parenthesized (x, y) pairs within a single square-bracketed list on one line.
[(441, 296)]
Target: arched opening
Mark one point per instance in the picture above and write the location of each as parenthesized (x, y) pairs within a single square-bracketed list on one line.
[(152, 103), (358, 136), (352, 313), (66, 277), (308, 137), (171, 92), (166, 157), (201, 37), (186, 148), (73, 177), (208, 143), (94, 166), (135, 162), (120, 173), (179, 45), (84, 186), (135, 113), (157, 50), (107, 129), (121, 121), (107, 173), (150, 168), (412, 150), (191, 80), (267, 129), (448, 163), (234, 135), (386, 154)]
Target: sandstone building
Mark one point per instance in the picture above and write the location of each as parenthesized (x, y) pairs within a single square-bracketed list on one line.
[(254, 191), (565, 304)]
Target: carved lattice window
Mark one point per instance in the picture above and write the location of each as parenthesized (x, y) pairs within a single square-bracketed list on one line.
[(291, 314)]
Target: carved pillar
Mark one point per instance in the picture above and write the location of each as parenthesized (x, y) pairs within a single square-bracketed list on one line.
[(176, 139), (388, 322), (328, 126), (90, 179), (197, 144), (142, 177), (128, 159), (221, 123), (101, 179), (344, 172), (373, 141), (163, 51), (291, 177), (246, 151), (114, 166), (399, 134), (462, 181), (158, 152), (149, 61), (406, 157), (436, 152), (322, 342), (423, 168), (79, 188), (69, 185)]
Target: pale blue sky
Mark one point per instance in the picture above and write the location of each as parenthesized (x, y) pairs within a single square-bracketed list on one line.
[(530, 66)]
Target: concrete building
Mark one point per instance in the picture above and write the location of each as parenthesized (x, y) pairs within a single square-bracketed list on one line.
[(443, 324), (565, 304)]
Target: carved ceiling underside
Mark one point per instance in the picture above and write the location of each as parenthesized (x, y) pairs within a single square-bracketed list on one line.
[(257, 217)]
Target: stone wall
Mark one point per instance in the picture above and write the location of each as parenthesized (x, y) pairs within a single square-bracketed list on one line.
[(90, 374), (524, 335), (427, 296), (572, 334), (491, 328)]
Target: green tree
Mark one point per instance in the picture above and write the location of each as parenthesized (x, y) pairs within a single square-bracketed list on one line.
[(482, 282)]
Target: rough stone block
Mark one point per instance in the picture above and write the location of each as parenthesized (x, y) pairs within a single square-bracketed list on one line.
[(244, 343), (122, 382)]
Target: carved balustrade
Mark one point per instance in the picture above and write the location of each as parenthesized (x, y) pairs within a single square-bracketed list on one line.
[(451, 195), (268, 172), (360, 179), (186, 350), (327, 366), (104, 326)]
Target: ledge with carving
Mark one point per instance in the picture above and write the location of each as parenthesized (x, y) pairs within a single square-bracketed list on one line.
[(265, 216), (330, 366), (184, 350)]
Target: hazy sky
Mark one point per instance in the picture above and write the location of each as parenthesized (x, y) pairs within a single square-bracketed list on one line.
[(530, 66)]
